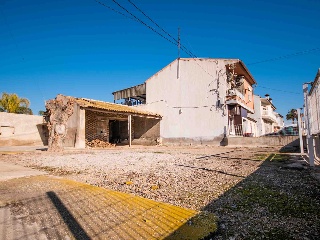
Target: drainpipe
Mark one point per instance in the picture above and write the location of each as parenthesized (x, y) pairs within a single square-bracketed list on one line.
[(309, 137)]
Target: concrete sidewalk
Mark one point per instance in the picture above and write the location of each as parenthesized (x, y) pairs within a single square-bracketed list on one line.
[(20, 149), (46, 207), (11, 171)]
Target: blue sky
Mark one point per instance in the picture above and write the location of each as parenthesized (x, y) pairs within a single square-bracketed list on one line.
[(83, 49)]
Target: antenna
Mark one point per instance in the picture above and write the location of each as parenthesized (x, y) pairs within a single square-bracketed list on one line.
[(178, 52), (178, 42)]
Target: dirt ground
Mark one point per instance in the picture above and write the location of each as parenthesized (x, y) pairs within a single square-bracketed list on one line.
[(256, 193)]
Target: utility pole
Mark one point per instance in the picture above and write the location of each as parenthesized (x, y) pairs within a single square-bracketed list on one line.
[(307, 119)]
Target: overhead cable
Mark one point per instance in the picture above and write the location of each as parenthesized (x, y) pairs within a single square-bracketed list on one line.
[(278, 90), (287, 56), (177, 41), (116, 11), (140, 21)]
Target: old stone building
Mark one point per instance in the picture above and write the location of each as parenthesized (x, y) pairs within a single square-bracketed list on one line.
[(91, 119)]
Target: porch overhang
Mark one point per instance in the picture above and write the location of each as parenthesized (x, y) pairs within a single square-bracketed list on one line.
[(137, 92), (235, 101), (105, 107)]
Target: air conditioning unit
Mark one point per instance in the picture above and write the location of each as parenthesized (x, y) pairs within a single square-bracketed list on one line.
[(239, 80), (231, 92)]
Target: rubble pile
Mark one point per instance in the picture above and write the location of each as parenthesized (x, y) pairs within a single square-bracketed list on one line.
[(97, 143)]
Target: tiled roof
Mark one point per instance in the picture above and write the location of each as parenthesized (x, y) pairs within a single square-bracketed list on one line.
[(95, 104)]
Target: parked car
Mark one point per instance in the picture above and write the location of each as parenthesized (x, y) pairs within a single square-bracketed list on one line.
[(286, 131)]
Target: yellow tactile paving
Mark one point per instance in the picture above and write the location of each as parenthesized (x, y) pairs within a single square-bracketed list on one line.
[(61, 208)]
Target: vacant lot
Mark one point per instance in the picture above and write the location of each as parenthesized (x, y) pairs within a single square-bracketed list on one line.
[(255, 192)]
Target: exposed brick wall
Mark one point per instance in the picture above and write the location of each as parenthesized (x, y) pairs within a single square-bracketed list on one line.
[(97, 126), (91, 125), (141, 128)]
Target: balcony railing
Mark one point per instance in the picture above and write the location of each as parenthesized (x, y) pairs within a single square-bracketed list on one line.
[(235, 92), (269, 115), (238, 130)]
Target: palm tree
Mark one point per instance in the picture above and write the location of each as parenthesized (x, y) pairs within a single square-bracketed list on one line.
[(292, 115), (12, 103)]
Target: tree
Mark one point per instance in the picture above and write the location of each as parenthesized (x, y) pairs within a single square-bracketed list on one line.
[(292, 115), (41, 113), (12, 103)]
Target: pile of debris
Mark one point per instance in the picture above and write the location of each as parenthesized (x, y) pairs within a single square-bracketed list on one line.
[(97, 143)]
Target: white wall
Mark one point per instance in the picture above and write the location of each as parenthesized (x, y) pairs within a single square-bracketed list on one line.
[(257, 115), (188, 103), (21, 129), (314, 105)]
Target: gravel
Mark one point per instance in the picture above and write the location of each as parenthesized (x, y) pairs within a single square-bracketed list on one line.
[(215, 179)]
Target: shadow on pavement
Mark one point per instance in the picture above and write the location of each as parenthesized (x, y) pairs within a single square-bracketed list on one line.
[(280, 200), (77, 231), (80, 211)]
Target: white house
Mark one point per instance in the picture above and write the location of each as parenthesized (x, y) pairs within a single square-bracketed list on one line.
[(268, 121), (314, 112), (280, 122), (200, 100)]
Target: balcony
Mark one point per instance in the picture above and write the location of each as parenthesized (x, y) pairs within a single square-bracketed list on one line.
[(234, 93), (234, 97), (269, 116)]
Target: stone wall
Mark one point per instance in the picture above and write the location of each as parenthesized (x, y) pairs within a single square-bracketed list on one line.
[(21, 129), (281, 141)]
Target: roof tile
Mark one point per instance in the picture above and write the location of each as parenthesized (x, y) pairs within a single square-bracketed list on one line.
[(89, 103)]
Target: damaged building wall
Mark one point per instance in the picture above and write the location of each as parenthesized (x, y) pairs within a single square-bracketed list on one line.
[(59, 111), (72, 125), (75, 122)]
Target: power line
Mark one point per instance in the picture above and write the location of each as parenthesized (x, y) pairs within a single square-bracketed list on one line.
[(186, 50), (135, 18), (140, 21), (177, 41), (116, 11), (154, 30), (152, 20), (287, 56), (278, 90)]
